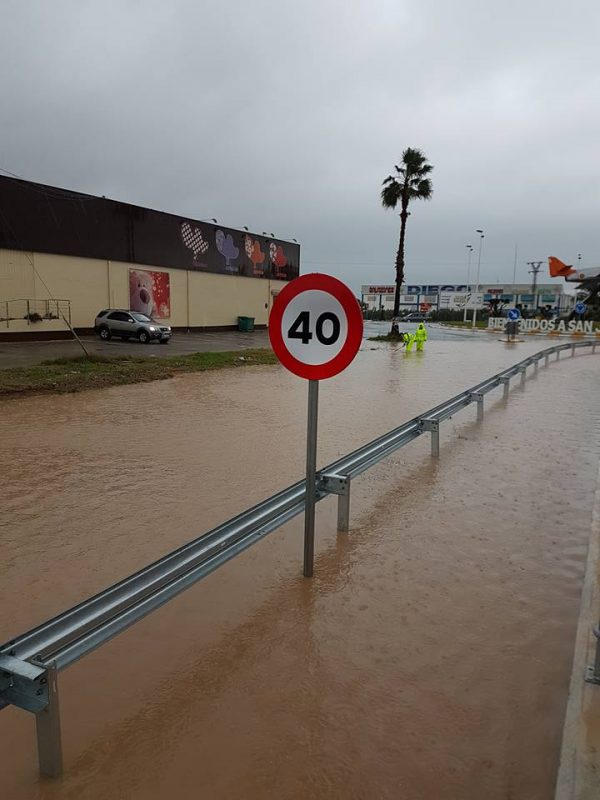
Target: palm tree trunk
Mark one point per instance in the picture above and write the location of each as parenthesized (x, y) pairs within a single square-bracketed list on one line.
[(400, 259)]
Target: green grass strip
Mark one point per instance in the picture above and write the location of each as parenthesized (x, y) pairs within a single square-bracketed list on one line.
[(80, 373)]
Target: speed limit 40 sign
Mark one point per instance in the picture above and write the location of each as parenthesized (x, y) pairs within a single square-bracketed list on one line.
[(315, 326)]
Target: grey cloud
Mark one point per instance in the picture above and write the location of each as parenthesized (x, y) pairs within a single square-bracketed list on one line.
[(286, 116)]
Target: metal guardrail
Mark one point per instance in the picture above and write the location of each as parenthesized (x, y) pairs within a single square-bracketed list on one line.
[(29, 663)]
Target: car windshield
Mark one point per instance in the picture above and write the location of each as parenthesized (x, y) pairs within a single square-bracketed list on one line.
[(141, 317)]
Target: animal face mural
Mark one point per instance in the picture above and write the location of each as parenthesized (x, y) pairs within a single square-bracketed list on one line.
[(150, 293), (193, 239), (278, 261), (255, 254), (227, 248)]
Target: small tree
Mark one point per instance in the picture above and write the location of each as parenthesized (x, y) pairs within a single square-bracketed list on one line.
[(410, 183)]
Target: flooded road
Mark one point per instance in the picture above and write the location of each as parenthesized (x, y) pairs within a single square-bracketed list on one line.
[(428, 658)]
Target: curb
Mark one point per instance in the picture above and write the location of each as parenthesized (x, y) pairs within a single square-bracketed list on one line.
[(579, 767)]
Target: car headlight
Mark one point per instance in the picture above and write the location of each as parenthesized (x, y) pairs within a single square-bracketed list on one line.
[(151, 328)]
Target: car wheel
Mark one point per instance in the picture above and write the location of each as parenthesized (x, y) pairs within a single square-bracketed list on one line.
[(144, 337), (104, 333)]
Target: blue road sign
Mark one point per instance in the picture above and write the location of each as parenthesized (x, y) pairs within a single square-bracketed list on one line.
[(580, 308), (514, 313)]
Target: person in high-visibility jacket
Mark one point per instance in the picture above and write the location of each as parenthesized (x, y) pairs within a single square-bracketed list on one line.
[(420, 336)]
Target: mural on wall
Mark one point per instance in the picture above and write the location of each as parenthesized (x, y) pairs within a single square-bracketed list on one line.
[(239, 254), (193, 240), (227, 248), (255, 255), (278, 261), (73, 224), (150, 293)]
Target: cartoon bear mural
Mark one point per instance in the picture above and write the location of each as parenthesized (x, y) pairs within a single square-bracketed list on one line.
[(150, 293)]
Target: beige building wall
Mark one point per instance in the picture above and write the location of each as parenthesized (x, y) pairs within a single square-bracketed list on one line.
[(17, 279), (197, 299)]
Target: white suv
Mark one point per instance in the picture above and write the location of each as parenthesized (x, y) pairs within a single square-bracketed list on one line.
[(130, 325)]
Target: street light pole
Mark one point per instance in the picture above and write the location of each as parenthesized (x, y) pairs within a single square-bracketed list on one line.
[(467, 293), (481, 237)]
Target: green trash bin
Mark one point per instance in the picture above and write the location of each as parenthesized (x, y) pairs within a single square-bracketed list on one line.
[(245, 324)]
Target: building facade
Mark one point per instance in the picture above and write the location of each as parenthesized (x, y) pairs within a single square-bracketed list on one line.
[(66, 255), (428, 297)]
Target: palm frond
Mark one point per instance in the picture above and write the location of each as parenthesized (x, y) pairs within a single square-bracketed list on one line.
[(425, 169), (390, 195), (424, 190), (415, 162)]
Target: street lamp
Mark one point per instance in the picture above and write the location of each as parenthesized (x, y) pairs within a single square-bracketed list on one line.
[(467, 293), (481, 237)]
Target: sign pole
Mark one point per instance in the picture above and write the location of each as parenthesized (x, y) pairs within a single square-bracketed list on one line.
[(311, 471), (315, 329)]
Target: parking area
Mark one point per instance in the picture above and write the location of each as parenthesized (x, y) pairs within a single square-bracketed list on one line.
[(27, 354)]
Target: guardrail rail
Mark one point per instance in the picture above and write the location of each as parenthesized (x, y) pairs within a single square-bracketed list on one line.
[(29, 663)]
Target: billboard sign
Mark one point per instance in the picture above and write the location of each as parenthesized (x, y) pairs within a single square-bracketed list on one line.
[(150, 293), (435, 288), (456, 301), (378, 289), (46, 219)]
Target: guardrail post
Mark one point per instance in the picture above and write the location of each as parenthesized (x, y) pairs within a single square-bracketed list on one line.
[(547, 359), (593, 348), (572, 349), (592, 673), (536, 365), (332, 483), (523, 371), (478, 398), (435, 442), (506, 383), (433, 426), (558, 355), (48, 731), (343, 512)]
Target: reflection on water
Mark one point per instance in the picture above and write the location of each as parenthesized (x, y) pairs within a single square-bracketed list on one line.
[(428, 658)]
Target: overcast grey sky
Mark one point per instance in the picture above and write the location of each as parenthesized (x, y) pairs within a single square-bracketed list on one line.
[(287, 116)]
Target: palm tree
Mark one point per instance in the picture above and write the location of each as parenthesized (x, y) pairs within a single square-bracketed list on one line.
[(410, 183)]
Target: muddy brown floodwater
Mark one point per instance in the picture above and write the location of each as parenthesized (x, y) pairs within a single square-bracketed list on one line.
[(428, 658)]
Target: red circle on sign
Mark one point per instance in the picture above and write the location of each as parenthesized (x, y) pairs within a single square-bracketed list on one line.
[(321, 283)]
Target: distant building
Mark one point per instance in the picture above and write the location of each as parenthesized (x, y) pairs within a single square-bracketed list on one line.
[(453, 296)]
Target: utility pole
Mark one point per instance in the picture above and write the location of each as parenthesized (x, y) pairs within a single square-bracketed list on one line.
[(535, 268)]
